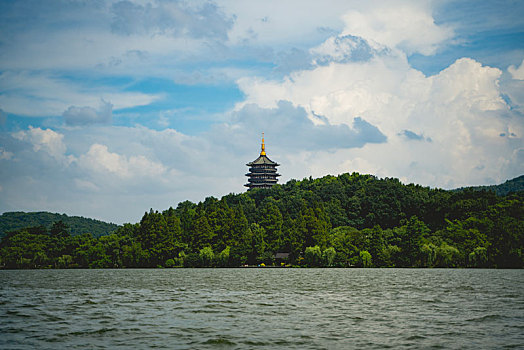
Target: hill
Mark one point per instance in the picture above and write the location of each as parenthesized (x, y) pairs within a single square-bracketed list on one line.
[(513, 185), (345, 220), (77, 225)]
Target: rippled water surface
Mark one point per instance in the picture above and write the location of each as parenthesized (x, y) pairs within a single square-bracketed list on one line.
[(262, 308)]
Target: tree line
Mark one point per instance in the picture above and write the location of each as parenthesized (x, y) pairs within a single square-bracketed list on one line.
[(336, 221), (10, 221)]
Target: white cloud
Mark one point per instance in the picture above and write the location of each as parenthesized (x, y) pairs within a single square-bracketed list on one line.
[(41, 94), (86, 185), (460, 110), (46, 140), (292, 129), (161, 39), (5, 155), (341, 92), (118, 172), (343, 49), (355, 103), (408, 26), (468, 83), (170, 18), (88, 115), (102, 35), (268, 23), (517, 73), (99, 159)]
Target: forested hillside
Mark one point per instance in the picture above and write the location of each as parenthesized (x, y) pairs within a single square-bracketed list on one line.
[(513, 185), (11, 221), (346, 220)]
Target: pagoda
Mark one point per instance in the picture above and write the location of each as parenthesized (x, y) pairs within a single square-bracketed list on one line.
[(262, 171)]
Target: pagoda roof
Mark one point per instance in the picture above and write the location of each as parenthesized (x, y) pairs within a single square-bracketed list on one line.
[(262, 160)]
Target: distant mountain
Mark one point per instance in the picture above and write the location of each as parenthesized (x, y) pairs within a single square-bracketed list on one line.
[(77, 225), (513, 185)]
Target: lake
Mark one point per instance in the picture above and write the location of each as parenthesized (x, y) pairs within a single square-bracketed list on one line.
[(262, 308)]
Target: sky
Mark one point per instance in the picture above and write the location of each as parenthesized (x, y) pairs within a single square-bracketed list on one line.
[(110, 108)]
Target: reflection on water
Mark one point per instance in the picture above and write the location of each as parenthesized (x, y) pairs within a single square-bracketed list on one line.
[(262, 308)]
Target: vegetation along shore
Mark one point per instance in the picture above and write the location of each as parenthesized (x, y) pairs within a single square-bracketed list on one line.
[(334, 221)]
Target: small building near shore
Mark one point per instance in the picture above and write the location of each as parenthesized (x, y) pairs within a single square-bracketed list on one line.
[(282, 256)]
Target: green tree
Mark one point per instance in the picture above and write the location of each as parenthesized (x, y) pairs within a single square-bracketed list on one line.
[(313, 256), (365, 258), (207, 257), (447, 256), (411, 241), (393, 255), (257, 244), (223, 257), (220, 218), (40, 259), (20, 249), (59, 229), (478, 257), (239, 230), (347, 241), (313, 227), (506, 233), (465, 235), (202, 233), (377, 245), (328, 256), (65, 261), (174, 232), (156, 238), (270, 219), (428, 255)]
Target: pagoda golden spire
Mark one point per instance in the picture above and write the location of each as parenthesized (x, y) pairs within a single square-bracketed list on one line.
[(263, 152), (262, 171)]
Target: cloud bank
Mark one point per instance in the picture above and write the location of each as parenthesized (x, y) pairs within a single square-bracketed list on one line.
[(88, 115)]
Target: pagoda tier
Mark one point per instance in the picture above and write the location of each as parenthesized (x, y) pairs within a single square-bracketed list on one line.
[(262, 171)]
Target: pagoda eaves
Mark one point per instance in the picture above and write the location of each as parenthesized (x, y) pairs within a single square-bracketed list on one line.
[(262, 171)]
